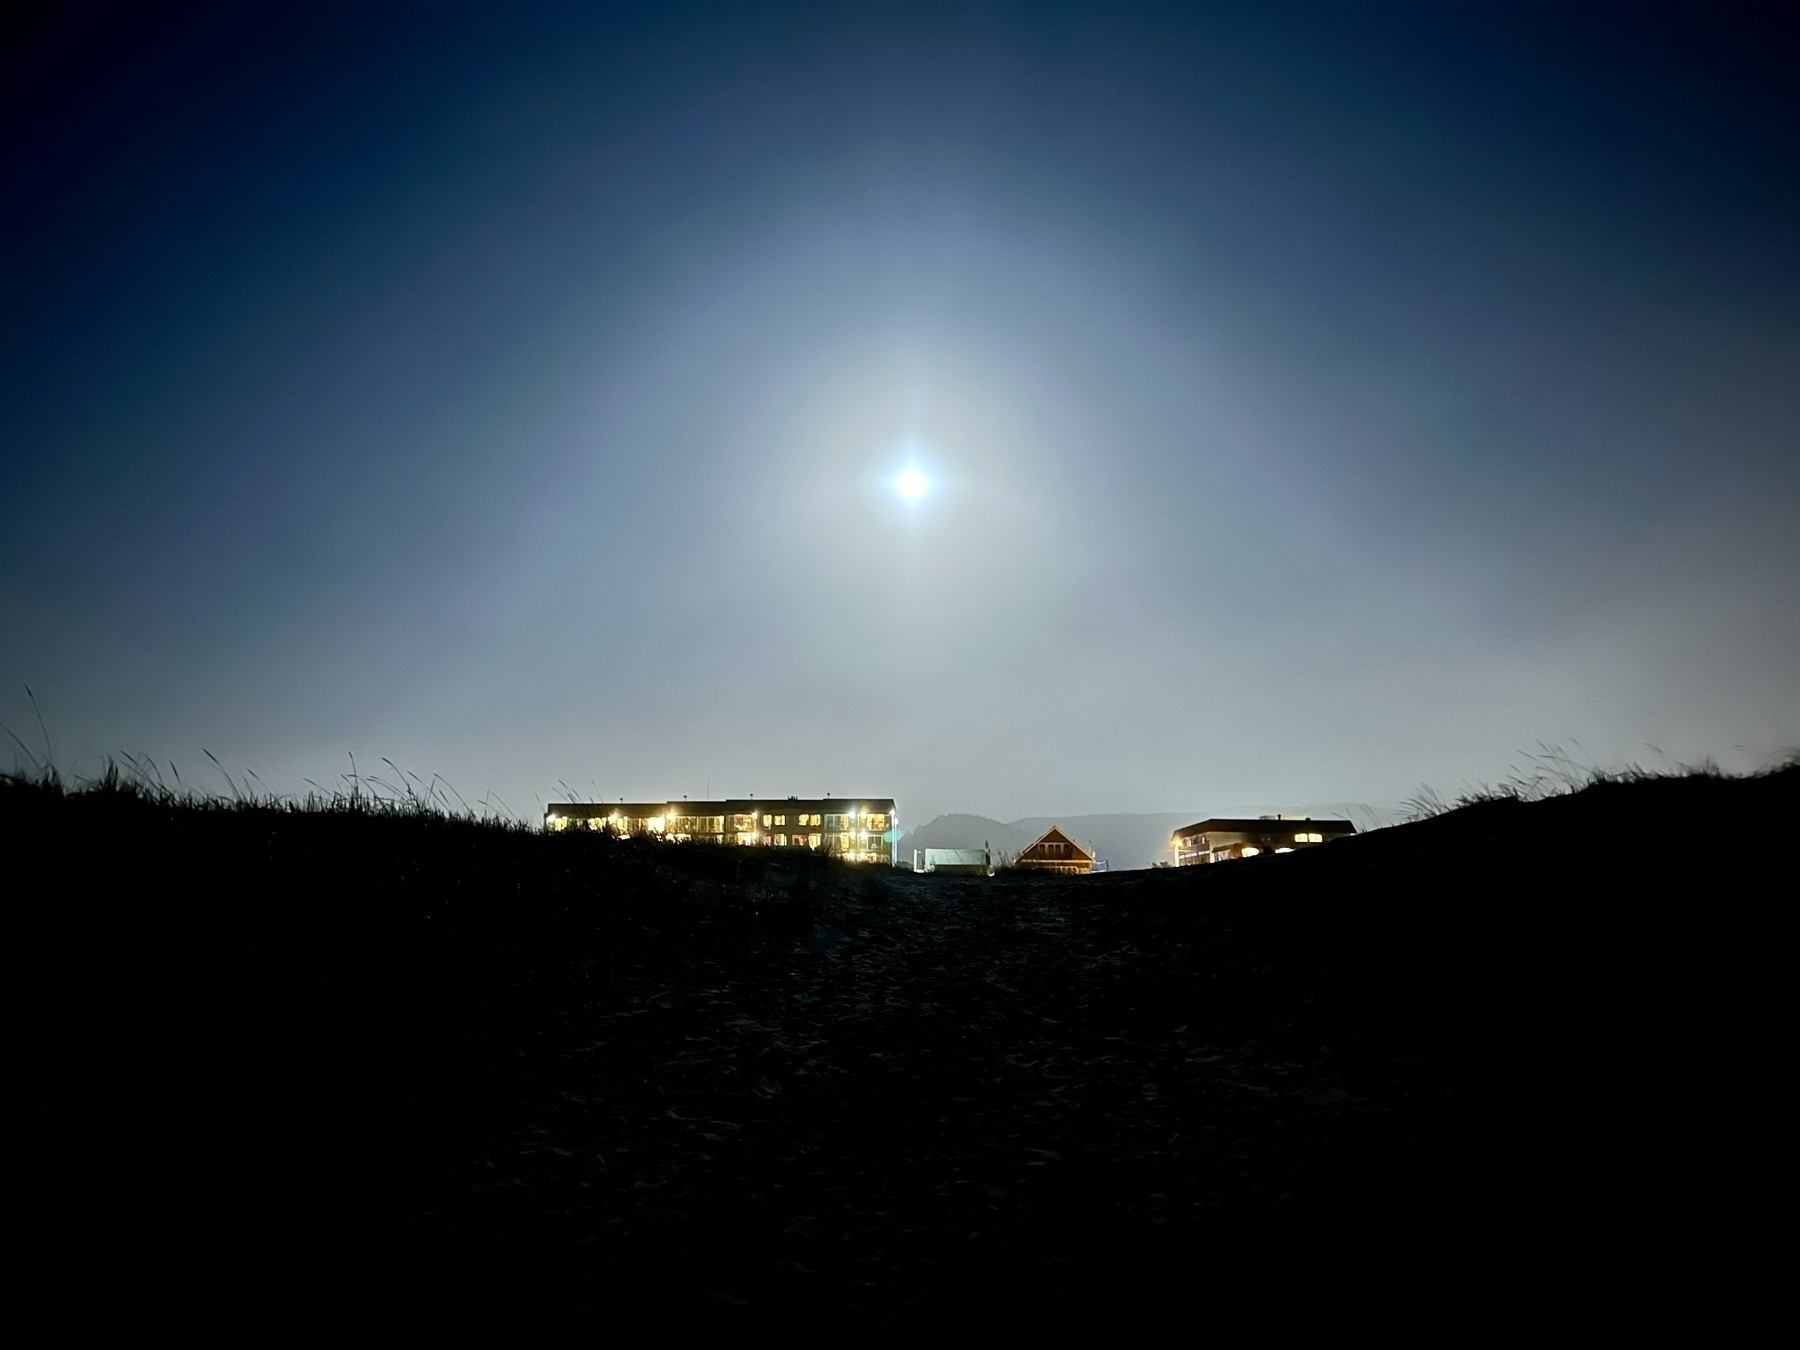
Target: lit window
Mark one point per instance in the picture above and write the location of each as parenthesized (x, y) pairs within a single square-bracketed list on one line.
[(1284, 849), (812, 840), (1249, 851), (781, 840), (768, 820)]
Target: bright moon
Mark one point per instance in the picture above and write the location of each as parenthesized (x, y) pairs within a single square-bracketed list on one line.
[(912, 485)]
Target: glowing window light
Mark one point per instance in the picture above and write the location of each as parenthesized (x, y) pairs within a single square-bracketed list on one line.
[(1249, 851)]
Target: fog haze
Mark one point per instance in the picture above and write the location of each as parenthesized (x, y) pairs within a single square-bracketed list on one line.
[(1313, 401)]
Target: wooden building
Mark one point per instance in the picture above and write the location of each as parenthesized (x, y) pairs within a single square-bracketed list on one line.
[(1221, 839), (1056, 852)]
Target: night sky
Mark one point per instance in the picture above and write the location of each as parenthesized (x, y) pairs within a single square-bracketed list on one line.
[(1309, 401)]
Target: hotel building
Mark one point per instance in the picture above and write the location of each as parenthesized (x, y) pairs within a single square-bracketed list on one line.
[(1220, 839), (856, 829)]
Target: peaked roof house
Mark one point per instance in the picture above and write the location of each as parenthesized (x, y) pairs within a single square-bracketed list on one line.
[(1056, 852)]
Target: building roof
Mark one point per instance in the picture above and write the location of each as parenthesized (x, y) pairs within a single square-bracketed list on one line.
[(1259, 825), (1056, 836), (727, 806)]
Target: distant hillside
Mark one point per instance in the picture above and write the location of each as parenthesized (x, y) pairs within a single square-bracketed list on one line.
[(1125, 840), (965, 831)]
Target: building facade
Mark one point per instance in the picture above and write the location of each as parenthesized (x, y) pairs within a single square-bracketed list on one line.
[(1056, 852), (856, 829), (968, 862), (1222, 839)]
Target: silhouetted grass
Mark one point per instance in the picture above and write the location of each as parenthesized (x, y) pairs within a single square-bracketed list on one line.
[(375, 1056), (1553, 772)]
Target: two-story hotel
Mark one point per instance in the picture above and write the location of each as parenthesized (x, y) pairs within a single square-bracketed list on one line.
[(856, 829), (1220, 839)]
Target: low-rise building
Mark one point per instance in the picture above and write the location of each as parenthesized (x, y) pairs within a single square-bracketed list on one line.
[(856, 829), (1222, 838), (970, 862), (1056, 852)]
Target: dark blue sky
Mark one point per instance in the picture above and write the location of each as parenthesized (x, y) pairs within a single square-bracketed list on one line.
[(1315, 399)]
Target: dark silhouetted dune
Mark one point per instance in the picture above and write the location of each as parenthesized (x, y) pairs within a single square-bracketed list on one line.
[(377, 1066)]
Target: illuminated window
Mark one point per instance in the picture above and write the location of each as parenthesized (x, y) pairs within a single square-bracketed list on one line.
[(768, 820), (781, 820), (781, 840), (1284, 849), (1249, 851), (812, 840)]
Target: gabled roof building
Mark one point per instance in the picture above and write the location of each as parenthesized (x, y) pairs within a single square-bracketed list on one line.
[(1056, 852)]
